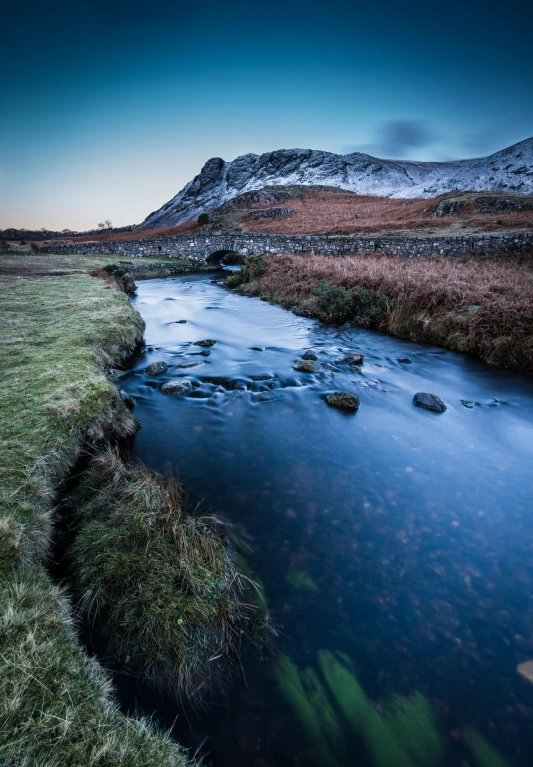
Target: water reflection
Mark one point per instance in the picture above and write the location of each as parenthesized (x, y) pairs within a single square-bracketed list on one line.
[(395, 541)]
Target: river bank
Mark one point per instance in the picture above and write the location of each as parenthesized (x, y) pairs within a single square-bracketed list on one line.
[(481, 306), (62, 331)]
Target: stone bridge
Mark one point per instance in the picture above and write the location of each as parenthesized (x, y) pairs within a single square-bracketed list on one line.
[(211, 247)]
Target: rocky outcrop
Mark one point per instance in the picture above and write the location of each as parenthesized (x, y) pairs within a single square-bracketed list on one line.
[(510, 170), (484, 203)]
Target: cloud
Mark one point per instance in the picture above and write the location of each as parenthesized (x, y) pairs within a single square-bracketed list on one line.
[(398, 138)]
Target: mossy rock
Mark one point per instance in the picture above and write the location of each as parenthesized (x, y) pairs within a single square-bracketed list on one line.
[(307, 366), (205, 342), (156, 368), (175, 387), (343, 400)]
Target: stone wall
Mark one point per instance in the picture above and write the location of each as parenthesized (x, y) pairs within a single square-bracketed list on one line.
[(211, 245)]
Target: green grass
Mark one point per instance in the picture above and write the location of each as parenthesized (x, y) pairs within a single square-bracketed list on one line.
[(26, 264), (163, 583), (58, 335)]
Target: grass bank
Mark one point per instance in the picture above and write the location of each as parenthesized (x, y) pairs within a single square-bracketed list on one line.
[(61, 330), (481, 306)]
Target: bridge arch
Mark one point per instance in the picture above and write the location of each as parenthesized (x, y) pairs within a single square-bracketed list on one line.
[(225, 256)]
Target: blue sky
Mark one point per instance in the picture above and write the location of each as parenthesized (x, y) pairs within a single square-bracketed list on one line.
[(109, 108)]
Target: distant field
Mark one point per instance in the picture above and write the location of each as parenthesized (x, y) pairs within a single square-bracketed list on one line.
[(24, 264)]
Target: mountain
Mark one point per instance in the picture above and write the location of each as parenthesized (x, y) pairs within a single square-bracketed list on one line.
[(510, 170)]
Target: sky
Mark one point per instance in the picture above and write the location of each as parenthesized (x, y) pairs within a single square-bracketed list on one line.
[(107, 109)]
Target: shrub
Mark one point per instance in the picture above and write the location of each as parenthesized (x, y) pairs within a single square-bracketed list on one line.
[(120, 275), (4, 247), (335, 302), (35, 248), (203, 219), (254, 267)]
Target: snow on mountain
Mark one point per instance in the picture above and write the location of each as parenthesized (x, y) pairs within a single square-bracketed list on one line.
[(510, 170)]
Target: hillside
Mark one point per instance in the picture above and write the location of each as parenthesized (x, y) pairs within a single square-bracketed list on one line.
[(326, 210), (509, 170)]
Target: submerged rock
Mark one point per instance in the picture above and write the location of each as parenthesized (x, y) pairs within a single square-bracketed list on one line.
[(405, 360), (205, 342), (470, 404), (429, 402), (155, 368), (343, 399), (356, 369), (258, 348), (205, 352), (181, 322), (353, 359), (307, 366), (191, 364), (310, 355), (525, 669), (262, 377), (175, 387)]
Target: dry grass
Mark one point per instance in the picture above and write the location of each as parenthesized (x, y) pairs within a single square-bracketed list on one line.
[(347, 213), (477, 305)]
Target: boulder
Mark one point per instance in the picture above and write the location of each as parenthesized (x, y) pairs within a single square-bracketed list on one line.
[(429, 402), (156, 368), (345, 400), (307, 366), (310, 355), (176, 387)]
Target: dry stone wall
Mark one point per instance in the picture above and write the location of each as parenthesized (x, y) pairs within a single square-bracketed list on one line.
[(210, 246)]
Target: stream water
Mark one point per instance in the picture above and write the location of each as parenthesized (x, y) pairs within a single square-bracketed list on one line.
[(394, 544)]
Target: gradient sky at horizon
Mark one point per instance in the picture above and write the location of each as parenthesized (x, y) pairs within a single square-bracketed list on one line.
[(109, 108)]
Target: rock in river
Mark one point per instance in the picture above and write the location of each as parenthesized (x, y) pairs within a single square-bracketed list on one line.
[(429, 402), (155, 368), (206, 342), (343, 399), (176, 387), (310, 355), (307, 366), (127, 399), (353, 359)]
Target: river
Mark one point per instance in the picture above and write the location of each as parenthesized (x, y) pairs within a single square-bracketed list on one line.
[(394, 543)]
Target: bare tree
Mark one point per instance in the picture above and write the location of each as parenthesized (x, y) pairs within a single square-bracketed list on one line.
[(101, 225), (108, 223)]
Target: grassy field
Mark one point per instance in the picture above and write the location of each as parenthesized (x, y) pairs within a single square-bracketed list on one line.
[(24, 264), (480, 306), (58, 335)]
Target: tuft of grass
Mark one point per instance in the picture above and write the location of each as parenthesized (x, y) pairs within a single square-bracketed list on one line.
[(58, 337), (162, 583), (56, 704), (479, 305)]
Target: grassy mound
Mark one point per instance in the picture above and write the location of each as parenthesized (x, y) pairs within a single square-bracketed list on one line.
[(58, 336), (163, 583)]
